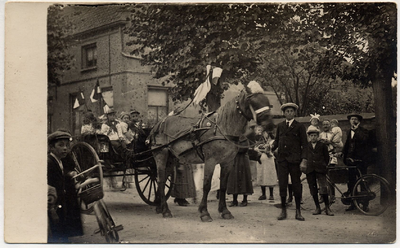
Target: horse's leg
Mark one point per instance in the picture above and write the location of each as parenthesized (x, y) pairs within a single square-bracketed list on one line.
[(225, 171), (208, 172), (161, 158)]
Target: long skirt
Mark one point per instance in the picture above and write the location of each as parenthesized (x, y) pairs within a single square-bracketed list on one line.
[(184, 182), (239, 180), (266, 172)]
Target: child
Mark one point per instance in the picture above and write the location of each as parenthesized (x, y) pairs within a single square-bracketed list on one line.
[(315, 120), (317, 161), (105, 128), (337, 137), (124, 134)]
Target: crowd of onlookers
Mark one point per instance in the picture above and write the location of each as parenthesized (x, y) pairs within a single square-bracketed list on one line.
[(279, 159)]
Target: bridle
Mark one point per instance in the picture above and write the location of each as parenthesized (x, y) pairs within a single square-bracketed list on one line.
[(254, 112)]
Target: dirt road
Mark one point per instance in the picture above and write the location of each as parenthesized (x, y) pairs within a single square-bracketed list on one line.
[(256, 223)]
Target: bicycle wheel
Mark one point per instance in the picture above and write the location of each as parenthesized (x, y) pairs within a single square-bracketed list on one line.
[(371, 194), (101, 221), (112, 230)]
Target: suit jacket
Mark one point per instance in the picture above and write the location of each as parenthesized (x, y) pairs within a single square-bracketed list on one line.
[(291, 142), (361, 144), (56, 179), (317, 158)]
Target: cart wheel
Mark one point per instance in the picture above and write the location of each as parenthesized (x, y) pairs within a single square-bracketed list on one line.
[(371, 194), (146, 183), (84, 157)]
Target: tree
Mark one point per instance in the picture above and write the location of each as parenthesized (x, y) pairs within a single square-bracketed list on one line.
[(180, 40), (58, 59), (366, 33)]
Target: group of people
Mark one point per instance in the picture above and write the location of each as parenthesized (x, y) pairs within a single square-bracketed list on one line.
[(293, 151), (121, 131), (311, 151)]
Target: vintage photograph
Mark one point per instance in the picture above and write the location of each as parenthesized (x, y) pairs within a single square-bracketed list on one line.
[(221, 123)]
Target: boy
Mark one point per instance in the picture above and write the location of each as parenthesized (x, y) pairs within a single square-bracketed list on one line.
[(62, 217), (316, 169)]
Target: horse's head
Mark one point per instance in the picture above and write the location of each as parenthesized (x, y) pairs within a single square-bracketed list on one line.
[(255, 105)]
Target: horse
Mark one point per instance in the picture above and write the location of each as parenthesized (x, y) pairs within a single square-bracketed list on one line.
[(211, 139)]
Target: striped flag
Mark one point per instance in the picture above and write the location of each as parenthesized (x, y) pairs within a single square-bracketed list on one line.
[(96, 92), (79, 100), (203, 89)]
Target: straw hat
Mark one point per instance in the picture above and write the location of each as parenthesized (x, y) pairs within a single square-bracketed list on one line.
[(289, 105), (312, 129)]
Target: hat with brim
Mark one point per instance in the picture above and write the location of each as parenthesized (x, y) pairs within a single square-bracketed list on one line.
[(289, 105), (134, 111), (355, 115), (123, 114), (57, 135), (312, 129)]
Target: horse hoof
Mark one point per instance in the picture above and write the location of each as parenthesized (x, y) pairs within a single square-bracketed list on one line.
[(227, 216), (167, 215), (158, 210), (206, 218)]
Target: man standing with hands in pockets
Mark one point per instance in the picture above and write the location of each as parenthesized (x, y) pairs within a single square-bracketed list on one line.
[(291, 141)]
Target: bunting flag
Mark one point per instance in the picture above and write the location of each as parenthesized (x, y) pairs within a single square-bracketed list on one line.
[(96, 92), (79, 100), (106, 109), (203, 89)]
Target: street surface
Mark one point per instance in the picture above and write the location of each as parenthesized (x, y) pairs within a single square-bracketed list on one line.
[(256, 223)]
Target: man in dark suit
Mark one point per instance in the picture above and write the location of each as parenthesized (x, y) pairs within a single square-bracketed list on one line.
[(356, 147), (66, 221), (291, 141)]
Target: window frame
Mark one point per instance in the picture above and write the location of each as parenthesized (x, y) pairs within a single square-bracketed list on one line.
[(84, 57)]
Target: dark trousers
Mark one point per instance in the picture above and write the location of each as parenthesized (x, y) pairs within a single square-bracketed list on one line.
[(284, 170), (353, 176), (315, 177)]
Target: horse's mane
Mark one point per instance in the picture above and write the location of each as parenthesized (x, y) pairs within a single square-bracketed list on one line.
[(229, 119)]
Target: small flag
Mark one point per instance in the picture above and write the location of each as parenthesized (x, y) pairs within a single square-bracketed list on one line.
[(96, 92), (203, 89), (79, 100), (106, 109), (216, 75)]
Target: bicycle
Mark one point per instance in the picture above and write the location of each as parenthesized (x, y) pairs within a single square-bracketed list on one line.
[(89, 185), (370, 194)]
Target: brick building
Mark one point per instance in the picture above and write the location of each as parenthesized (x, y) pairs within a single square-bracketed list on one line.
[(100, 55), (98, 45)]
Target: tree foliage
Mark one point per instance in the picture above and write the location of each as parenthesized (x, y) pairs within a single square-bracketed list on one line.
[(302, 51), (58, 59)]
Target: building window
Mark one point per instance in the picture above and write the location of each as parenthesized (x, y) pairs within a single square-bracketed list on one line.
[(89, 56), (158, 105)]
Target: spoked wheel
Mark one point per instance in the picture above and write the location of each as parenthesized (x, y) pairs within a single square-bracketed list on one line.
[(146, 182), (371, 194), (84, 157), (98, 210), (112, 230)]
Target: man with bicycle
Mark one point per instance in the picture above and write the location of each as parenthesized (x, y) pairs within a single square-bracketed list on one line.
[(355, 152)]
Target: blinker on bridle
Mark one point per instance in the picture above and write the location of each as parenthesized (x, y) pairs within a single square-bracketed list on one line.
[(254, 112)]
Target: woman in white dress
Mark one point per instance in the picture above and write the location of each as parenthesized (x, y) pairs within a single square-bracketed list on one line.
[(266, 171)]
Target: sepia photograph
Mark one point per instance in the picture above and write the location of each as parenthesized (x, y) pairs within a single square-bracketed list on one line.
[(204, 123)]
